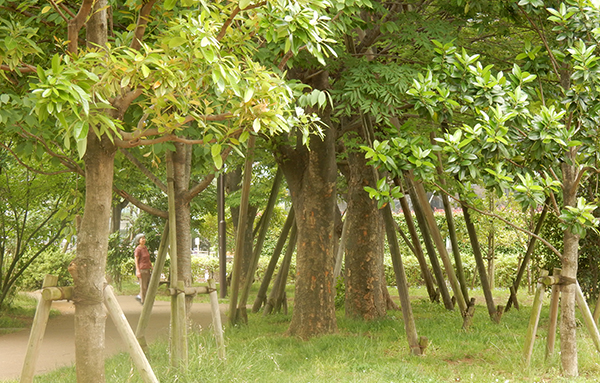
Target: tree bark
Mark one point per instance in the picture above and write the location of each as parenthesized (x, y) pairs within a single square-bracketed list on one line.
[(568, 325), (88, 268), (311, 176), (182, 161), (364, 244)]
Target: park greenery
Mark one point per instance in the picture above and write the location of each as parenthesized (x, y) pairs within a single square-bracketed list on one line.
[(329, 124)]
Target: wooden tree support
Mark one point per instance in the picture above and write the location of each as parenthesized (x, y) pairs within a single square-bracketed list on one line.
[(555, 281), (51, 293)]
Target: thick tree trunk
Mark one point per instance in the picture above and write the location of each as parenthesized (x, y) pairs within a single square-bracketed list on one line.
[(311, 176), (88, 268), (364, 245), (568, 325)]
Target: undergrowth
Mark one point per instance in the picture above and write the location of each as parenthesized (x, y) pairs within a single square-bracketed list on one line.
[(364, 352)]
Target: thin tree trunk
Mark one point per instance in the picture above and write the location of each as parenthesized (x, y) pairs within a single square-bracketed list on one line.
[(441, 246), (568, 324), (489, 300), (261, 296), (265, 219), (425, 233), (222, 237), (278, 291), (401, 283), (524, 263), (240, 240), (115, 221), (418, 250)]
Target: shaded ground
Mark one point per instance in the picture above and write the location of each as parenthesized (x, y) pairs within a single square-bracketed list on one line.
[(58, 347)]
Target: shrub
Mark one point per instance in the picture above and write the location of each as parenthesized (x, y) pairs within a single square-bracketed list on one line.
[(53, 261)]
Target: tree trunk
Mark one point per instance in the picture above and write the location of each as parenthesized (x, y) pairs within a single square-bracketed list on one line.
[(568, 324), (233, 183), (88, 268), (435, 264), (115, 221), (489, 300), (182, 161), (364, 244), (311, 177), (418, 250)]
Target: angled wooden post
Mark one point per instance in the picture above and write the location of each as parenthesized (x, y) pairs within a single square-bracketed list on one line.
[(216, 318), (140, 331), (536, 310), (38, 329), (126, 333), (587, 317), (554, 301)]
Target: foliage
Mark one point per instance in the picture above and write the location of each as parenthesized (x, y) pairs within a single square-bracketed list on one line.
[(54, 261), (36, 212), (120, 261)]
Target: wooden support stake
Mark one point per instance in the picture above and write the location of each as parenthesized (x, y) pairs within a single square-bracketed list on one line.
[(216, 318), (38, 329), (536, 310), (182, 327), (587, 317), (189, 291), (597, 311), (126, 333), (57, 293), (554, 301), (140, 330)]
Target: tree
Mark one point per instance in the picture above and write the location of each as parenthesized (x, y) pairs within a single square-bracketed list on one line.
[(37, 210), (138, 90)]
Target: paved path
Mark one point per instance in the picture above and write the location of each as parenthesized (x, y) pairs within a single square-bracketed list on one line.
[(58, 347)]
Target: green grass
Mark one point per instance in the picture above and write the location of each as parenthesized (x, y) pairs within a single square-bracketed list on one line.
[(366, 352), (19, 314)]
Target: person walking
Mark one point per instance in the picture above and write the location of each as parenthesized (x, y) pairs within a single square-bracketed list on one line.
[(143, 267)]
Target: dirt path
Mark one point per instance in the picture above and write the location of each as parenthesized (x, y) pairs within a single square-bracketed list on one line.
[(58, 347)]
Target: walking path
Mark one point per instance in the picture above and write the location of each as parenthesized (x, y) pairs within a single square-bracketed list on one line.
[(58, 347)]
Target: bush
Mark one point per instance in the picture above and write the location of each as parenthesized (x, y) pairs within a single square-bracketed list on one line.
[(53, 261)]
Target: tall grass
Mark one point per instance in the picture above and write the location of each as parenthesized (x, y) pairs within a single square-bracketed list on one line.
[(365, 352)]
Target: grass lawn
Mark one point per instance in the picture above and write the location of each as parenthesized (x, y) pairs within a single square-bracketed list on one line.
[(367, 352)]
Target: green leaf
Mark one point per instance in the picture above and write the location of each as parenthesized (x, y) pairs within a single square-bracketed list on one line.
[(170, 4), (244, 3), (256, 125), (177, 41), (248, 95), (81, 146), (56, 64)]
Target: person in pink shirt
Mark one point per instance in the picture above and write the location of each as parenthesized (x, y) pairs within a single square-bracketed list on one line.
[(143, 267)]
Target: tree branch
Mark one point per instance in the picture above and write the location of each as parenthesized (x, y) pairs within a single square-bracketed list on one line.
[(57, 9), (32, 169), (144, 170), (142, 23), (26, 68), (148, 209), (202, 185), (552, 248), (234, 13), (76, 23)]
